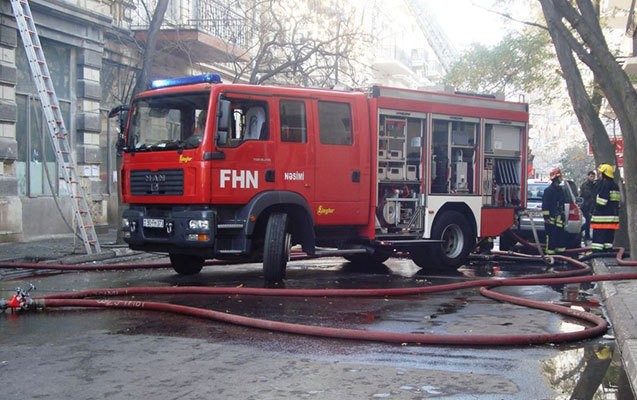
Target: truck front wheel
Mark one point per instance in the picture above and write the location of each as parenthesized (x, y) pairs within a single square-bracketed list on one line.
[(185, 264), (276, 249), (457, 240)]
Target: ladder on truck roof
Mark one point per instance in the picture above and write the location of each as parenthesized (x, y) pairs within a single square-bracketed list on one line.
[(57, 130)]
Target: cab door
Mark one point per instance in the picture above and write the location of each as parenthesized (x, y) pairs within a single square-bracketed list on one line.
[(294, 160), (341, 165)]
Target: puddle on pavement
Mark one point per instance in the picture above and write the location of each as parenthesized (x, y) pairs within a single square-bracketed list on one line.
[(590, 369)]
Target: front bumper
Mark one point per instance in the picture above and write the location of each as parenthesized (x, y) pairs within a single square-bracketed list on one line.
[(169, 229)]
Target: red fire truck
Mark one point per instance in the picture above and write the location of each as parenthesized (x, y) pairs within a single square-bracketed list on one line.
[(244, 172)]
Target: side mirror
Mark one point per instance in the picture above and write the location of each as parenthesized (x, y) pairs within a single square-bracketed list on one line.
[(117, 110), (223, 115), (223, 121), (222, 138), (121, 112)]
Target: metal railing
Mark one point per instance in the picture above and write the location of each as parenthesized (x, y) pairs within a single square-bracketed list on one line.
[(207, 16)]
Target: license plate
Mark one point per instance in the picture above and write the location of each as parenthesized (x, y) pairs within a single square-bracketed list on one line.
[(153, 223)]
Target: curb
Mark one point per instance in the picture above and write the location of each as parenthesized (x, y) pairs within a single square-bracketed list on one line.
[(87, 258), (615, 296)]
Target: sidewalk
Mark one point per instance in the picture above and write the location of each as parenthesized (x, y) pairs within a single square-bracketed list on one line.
[(62, 248), (620, 301), (619, 297)]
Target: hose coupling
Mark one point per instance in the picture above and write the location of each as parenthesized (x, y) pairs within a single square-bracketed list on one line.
[(21, 300)]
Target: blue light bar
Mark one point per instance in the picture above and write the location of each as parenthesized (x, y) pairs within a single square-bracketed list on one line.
[(186, 80)]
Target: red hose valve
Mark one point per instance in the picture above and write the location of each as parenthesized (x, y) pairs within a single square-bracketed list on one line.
[(21, 300)]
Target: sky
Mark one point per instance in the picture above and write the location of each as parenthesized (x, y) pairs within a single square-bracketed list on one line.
[(468, 21)]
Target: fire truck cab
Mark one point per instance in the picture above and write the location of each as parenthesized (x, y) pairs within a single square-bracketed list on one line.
[(244, 172)]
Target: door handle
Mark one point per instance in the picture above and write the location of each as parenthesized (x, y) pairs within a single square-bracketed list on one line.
[(356, 176), (269, 175)]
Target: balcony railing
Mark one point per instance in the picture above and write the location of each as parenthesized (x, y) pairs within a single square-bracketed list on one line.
[(206, 16)]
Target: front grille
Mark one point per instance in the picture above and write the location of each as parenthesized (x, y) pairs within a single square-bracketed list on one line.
[(164, 182)]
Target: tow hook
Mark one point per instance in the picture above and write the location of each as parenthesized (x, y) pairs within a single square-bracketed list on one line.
[(20, 301)]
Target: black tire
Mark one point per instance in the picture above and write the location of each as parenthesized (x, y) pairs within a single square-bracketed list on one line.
[(458, 240), (276, 249), (185, 264)]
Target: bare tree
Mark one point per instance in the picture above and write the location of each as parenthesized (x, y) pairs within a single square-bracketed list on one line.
[(149, 49), (576, 32), (126, 78), (307, 44)]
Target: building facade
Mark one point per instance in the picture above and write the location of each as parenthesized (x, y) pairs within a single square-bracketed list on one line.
[(92, 53), (32, 201), (94, 50)]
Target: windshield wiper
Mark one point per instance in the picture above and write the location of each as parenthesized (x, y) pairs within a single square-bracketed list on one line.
[(178, 145), (140, 147), (165, 145)]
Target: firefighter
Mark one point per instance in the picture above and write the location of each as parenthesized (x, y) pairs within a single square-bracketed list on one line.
[(605, 218), (587, 193), (553, 213)]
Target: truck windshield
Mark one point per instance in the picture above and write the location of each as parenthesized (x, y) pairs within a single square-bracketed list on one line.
[(168, 122)]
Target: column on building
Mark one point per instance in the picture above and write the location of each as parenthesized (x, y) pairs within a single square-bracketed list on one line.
[(88, 124), (10, 205)]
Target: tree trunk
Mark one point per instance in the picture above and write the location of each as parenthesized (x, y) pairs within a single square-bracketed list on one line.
[(149, 51), (614, 82), (142, 82)]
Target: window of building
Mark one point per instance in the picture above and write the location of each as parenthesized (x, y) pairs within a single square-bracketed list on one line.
[(335, 123), (37, 170), (293, 121)]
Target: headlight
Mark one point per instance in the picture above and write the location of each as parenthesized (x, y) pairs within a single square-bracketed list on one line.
[(199, 224), (125, 223)]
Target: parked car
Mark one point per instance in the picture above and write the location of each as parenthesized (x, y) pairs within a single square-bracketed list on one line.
[(523, 227)]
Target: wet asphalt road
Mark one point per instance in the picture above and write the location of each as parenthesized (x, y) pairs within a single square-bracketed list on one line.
[(123, 354)]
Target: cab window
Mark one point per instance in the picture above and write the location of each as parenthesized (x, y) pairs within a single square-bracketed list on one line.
[(335, 123), (293, 121), (249, 122)]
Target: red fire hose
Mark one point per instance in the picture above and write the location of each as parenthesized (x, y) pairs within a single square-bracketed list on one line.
[(594, 325), (618, 257)]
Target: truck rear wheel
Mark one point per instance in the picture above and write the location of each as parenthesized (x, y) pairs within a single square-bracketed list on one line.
[(276, 249), (457, 240), (185, 264)]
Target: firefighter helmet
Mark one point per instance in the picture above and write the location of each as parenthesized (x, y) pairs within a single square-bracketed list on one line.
[(555, 172), (607, 169)]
